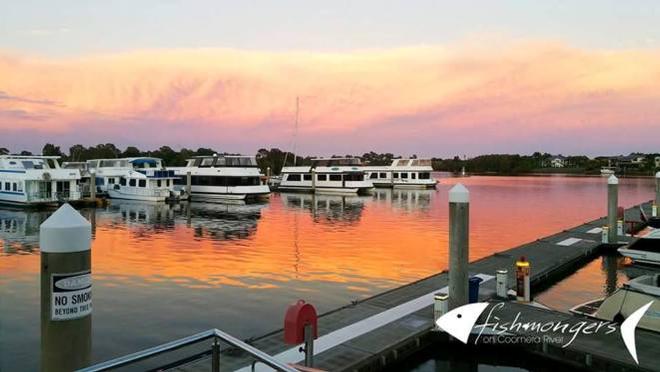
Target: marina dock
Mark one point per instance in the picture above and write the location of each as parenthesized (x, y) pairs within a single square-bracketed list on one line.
[(382, 330)]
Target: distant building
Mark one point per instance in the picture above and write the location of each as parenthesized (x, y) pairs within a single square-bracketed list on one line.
[(558, 161), (633, 160)]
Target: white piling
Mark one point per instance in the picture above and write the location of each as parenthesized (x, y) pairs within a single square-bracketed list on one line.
[(189, 185), (66, 286), (612, 208), (459, 206), (656, 205), (502, 286)]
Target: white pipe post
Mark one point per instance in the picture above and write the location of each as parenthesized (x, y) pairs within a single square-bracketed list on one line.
[(189, 184), (92, 185), (502, 285), (459, 206), (313, 180), (66, 291), (612, 208), (656, 205)]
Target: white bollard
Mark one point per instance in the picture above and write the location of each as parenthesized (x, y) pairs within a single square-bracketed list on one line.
[(612, 208), (459, 207), (619, 227), (502, 277), (440, 305), (605, 235), (66, 291)]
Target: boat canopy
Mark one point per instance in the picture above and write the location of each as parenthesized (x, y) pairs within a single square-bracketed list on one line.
[(144, 161), (329, 162)]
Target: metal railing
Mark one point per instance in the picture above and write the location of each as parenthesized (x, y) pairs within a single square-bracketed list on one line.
[(215, 334)]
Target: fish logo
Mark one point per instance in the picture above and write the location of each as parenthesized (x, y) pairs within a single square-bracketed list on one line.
[(460, 321), (628, 329)]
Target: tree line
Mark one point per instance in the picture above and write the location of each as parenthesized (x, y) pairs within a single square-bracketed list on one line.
[(275, 159)]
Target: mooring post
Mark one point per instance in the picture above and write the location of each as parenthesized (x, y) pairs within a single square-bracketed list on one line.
[(215, 355), (502, 283), (656, 204), (92, 185), (459, 206), (313, 180), (612, 208), (66, 291), (189, 185), (309, 345)]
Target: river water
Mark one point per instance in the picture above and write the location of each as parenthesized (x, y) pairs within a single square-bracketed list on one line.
[(162, 272)]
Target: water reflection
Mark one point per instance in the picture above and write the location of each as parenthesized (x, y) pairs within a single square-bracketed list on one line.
[(405, 200), (328, 208), (19, 230), (219, 221)]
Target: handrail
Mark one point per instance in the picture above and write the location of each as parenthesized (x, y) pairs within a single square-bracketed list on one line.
[(186, 341)]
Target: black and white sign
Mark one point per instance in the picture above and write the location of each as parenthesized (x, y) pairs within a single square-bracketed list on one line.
[(71, 295)]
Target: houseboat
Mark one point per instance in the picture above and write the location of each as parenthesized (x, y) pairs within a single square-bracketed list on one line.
[(402, 173), (329, 176), (36, 180), (223, 178), (143, 178)]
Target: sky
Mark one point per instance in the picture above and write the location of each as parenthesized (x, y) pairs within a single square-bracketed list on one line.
[(431, 78)]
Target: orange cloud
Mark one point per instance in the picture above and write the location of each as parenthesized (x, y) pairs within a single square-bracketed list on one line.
[(517, 89)]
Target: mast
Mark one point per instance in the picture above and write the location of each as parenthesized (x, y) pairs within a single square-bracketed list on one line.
[(295, 130)]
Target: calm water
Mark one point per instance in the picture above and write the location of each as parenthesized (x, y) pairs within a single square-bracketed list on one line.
[(163, 272)]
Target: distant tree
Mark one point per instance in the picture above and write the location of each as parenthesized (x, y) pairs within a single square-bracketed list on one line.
[(131, 152), (4, 151), (26, 153), (51, 150)]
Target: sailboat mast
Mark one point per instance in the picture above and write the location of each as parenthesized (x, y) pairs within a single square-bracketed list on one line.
[(295, 131)]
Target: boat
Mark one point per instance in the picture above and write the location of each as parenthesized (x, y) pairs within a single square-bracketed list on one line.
[(645, 249), (143, 178), (223, 178), (606, 171), (327, 176), (36, 180), (626, 300), (403, 173)]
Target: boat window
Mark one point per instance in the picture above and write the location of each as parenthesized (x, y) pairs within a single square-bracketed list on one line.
[(179, 181), (12, 163), (373, 175), (159, 183), (307, 177), (7, 186), (197, 162), (28, 164), (335, 177), (395, 175), (122, 181), (321, 177), (293, 177), (383, 175), (220, 162), (111, 180), (142, 183), (131, 182), (206, 162), (404, 175), (424, 176), (14, 186), (20, 186), (413, 175), (354, 177)]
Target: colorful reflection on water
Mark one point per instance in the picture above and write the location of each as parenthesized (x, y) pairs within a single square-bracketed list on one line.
[(162, 272)]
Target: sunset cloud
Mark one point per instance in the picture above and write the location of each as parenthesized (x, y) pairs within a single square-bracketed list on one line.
[(507, 97)]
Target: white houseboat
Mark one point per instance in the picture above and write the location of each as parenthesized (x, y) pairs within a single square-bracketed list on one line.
[(223, 178), (402, 173), (143, 178), (330, 176), (36, 180)]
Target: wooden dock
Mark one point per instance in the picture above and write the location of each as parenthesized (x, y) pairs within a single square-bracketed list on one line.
[(381, 330)]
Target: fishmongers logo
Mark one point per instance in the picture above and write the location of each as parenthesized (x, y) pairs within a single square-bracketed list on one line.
[(460, 322)]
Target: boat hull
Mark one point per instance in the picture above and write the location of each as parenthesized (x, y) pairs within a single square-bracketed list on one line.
[(113, 194)]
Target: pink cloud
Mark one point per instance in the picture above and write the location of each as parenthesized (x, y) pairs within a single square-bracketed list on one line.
[(425, 100)]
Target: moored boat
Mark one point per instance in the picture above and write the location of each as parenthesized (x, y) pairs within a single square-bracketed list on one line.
[(37, 180), (402, 173), (222, 178), (645, 249), (327, 176)]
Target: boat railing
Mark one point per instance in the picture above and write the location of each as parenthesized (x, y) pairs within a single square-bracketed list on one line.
[(215, 334)]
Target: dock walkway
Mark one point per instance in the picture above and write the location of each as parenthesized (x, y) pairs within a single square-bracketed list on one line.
[(380, 330)]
